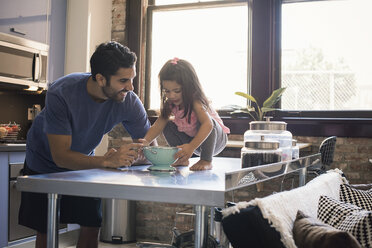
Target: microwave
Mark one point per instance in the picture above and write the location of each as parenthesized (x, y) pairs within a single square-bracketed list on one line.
[(23, 63)]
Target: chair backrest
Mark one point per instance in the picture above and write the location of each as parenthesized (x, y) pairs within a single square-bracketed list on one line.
[(327, 150)]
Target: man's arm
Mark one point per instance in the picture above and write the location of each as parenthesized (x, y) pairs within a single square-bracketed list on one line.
[(64, 157)]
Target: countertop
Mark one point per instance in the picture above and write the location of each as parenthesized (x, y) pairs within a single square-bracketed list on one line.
[(12, 147), (182, 186), (199, 188), (137, 183)]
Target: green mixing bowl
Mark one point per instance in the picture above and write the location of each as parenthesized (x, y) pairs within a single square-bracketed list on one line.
[(161, 157)]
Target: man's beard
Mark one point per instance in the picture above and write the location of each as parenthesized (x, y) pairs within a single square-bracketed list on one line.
[(115, 96)]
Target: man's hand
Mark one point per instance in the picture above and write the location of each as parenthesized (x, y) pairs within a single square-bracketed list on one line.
[(141, 156), (110, 152), (124, 156)]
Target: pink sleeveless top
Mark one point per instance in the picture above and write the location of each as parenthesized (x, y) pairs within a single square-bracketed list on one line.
[(191, 128)]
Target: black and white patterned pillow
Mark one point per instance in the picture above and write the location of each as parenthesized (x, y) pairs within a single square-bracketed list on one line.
[(347, 217), (360, 198)]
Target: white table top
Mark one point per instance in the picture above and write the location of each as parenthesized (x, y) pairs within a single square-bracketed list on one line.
[(182, 186), (137, 183)]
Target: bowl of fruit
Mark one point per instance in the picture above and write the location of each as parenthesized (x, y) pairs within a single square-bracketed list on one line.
[(3, 132), (9, 131)]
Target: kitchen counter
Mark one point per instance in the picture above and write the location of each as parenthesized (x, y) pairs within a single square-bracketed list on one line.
[(12, 147), (138, 183), (199, 188)]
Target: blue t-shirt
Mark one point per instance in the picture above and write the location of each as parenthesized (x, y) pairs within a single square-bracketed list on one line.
[(70, 110)]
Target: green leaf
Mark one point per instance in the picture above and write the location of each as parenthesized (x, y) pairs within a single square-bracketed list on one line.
[(264, 110), (274, 98), (246, 96)]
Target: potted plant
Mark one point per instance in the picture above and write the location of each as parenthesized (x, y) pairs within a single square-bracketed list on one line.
[(260, 112)]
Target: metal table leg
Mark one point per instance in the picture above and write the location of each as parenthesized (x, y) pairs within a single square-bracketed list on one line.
[(302, 177), (201, 226), (211, 222), (52, 231)]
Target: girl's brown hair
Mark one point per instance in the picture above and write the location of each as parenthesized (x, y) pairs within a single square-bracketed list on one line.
[(184, 74)]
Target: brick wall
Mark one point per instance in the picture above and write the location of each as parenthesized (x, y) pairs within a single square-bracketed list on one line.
[(352, 155), (155, 220), (119, 21)]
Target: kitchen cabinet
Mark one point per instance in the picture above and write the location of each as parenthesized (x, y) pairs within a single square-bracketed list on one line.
[(26, 19), (38, 20), (7, 158)]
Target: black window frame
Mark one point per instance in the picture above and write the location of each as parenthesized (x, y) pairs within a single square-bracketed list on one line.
[(265, 68)]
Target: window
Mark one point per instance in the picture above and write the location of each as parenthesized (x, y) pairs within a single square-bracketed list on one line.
[(326, 55), (319, 50), (213, 37)]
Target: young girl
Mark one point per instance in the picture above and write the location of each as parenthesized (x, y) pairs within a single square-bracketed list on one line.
[(186, 119)]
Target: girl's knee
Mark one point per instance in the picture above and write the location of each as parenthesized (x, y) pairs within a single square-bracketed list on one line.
[(169, 132), (169, 128)]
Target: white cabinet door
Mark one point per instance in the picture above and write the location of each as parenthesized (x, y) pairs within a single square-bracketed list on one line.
[(26, 18)]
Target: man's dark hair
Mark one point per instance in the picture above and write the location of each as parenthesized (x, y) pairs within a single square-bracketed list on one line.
[(109, 57)]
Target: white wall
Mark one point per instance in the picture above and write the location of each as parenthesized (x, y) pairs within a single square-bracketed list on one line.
[(100, 23), (88, 23)]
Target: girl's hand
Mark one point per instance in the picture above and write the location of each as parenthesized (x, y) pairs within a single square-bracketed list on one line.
[(141, 160), (185, 153), (144, 142)]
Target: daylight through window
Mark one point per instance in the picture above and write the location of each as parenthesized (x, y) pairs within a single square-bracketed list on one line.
[(214, 40), (326, 57)]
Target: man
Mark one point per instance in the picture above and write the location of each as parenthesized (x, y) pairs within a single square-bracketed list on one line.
[(79, 109)]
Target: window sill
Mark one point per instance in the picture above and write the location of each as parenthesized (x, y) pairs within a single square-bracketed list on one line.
[(306, 126), (316, 127)]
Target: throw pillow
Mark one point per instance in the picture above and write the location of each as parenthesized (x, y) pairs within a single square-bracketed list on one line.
[(362, 186), (361, 198), (309, 232), (347, 217), (249, 228)]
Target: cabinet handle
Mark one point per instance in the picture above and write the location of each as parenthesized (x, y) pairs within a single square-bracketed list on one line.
[(36, 67), (17, 31)]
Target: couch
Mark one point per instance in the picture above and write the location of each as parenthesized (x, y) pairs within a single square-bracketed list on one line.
[(326, 212)]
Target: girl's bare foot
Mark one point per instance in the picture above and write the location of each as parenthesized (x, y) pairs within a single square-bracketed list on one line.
[(201, 165), (179, 163)]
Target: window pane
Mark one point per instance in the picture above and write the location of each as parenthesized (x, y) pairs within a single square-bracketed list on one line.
[(213, 40), (326, 55)]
